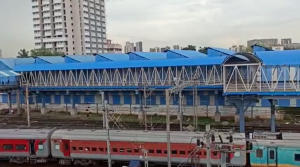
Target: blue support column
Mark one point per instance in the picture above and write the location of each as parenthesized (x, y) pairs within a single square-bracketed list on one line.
[(242, 116), (11, 111)]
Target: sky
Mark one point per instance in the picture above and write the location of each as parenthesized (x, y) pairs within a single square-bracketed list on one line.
[(220, 23)]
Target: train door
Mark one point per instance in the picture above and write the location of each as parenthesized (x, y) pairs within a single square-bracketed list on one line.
[(66, 147), (32, 147), (272, 156)]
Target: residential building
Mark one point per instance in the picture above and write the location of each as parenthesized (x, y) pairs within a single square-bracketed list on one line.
[(139, 46), (113, 47), (0, 53), (263, 42), (72, 27), (129, 47), (238, 48), (286, 41), (156, 49), (176, 47)]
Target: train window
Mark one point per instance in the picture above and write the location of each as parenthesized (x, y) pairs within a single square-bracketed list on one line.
[(151, 151), (136, 150), (174, 151), (204, 152), (74, 148), (101, 149), (129, 150), (165, 152), (122, 150), (80, 148), (297, 157), (272, 154), (182, 152), (158, 151), (7, 147), (259, 153), (115, 150), (87, 149), (20, 147), (215, 153), (94, 149)]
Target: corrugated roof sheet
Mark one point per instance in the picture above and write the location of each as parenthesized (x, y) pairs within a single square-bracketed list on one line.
[(221, 50), (148, 55), (286, 57), (8, 73), (125, 64), (50, 59), (81, 59), (115, 57), (10, 63), (171, 54)]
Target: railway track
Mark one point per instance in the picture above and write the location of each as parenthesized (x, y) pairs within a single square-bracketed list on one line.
[(94, 124)]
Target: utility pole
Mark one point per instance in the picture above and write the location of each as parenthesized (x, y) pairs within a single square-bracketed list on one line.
[(104, 110), (108, 137), (27, 105), (168, 127)]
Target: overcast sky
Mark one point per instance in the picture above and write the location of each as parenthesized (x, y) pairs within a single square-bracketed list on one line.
[(219, 23)]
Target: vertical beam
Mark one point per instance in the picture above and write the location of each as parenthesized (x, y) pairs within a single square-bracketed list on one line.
[(273, 116), (242, 116), (168, 127), (10, 103), (180, 111), (27, 106), (18, 101), (108, 138), (73, 109), (43, 108)]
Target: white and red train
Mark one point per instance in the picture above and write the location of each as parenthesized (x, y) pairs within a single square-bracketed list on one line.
[(88, 146)]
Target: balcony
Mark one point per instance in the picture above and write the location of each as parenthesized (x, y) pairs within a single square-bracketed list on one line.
[(57, 1)]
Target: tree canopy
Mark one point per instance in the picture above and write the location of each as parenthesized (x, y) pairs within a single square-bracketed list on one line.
[(23, 53)]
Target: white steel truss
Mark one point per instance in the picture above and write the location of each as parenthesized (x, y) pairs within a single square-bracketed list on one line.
[(157, 76), (261, 78)]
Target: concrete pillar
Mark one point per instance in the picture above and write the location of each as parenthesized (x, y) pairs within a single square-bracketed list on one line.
[(73, 110), (217, 113), (43, 108), (242, 117), (18, 102), (10, 109), (273, 116)]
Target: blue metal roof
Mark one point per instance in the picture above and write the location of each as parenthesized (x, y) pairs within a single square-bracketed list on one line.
[(8, 73), (115, 57), (10, 63), (79, 59), (125, 64), (49, 60), (171, 54), (147, 55), (212, 51), (286, 57)]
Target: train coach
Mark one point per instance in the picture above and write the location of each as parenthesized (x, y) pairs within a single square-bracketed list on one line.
[(283, 152), (21, 145), (84, 147)]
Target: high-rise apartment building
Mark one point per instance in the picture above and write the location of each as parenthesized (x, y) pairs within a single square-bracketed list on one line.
[(129, 47), (70, 26), (139, 46)]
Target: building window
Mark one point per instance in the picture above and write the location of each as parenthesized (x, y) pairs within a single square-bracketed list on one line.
[(297, 157), (259, 153)]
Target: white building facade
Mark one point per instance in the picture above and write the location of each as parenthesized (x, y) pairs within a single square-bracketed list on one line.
[(70, 26)]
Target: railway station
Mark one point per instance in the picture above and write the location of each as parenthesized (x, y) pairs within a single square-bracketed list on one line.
[(216, 83), (219, 82)]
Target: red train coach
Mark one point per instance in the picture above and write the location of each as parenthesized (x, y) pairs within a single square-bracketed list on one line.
[(20, 145), (85, 146)]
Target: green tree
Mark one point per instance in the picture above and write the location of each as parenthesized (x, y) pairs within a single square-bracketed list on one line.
[(23, 53), (44, 52)]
